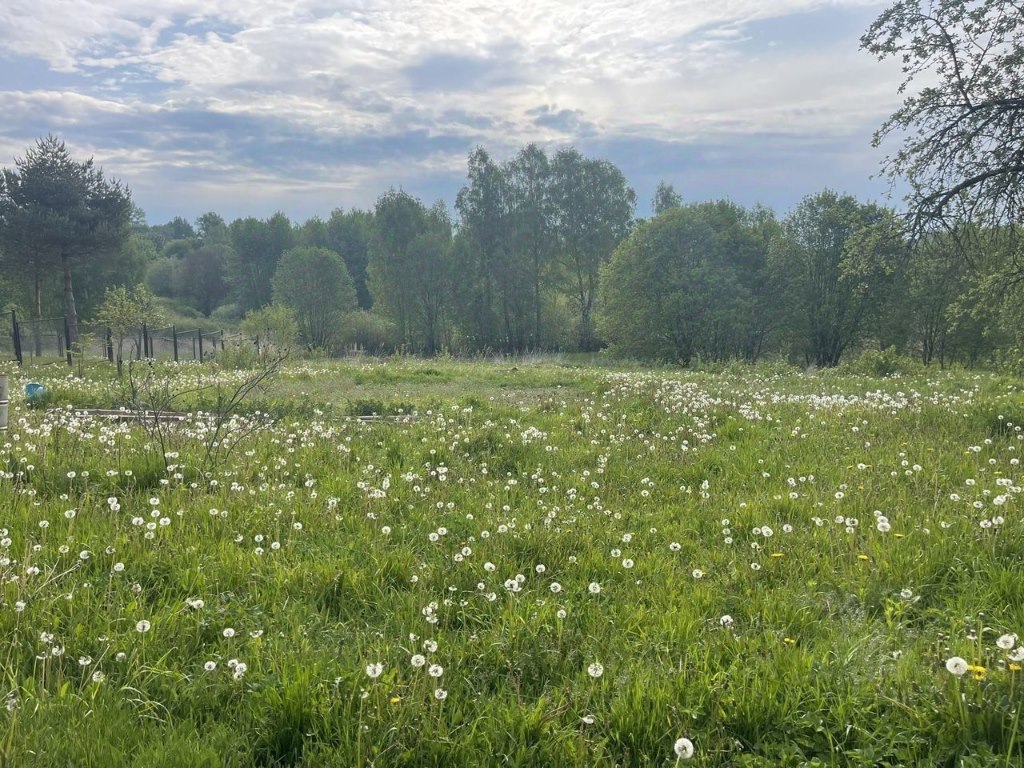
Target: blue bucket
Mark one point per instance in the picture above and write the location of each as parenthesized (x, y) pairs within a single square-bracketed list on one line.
[(34, 391)]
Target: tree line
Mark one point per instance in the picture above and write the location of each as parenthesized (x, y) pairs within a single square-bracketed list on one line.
[(544, 252)]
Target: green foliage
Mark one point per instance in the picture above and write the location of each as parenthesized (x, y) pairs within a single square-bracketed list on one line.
[(884, 363), (160, 276), (256, 246), (315, 284), (124, 311), (665, 198), (835, 265), (685, 285), (57, 213), (271, 326), (410, 269), (369, 332), (593, 207)]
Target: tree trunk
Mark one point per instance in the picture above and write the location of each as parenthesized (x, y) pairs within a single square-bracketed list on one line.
[(69, 302), (37, 330)]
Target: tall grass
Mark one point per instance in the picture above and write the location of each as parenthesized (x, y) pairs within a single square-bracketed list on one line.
[(547, 565)]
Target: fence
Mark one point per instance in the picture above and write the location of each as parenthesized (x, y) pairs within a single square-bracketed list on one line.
[(46, 340)]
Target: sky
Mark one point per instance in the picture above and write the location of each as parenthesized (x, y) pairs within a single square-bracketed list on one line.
[(248, 107)]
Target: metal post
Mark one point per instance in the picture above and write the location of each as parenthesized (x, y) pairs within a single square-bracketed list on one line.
[(4, 400), (174, 340), (110, 345), (67, 337), (17, 338), (200, 345), (145, 342)]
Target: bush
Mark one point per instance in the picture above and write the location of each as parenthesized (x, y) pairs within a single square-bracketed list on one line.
[(369, 332), (226, 313), (887, 362)]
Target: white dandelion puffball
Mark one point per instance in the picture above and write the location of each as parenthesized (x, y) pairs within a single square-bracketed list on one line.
[(595, 670), (956, 666), (1006, 642), (374, 670), (683, 748)]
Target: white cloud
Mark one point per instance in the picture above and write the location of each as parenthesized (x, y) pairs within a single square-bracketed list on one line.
[(668, 70)]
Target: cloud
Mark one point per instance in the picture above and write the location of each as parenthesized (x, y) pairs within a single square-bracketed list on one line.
[(341, 94)]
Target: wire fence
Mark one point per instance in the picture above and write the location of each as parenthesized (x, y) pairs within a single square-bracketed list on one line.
[(46, 340)]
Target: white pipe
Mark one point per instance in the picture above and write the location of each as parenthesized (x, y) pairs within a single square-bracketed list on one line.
[(4, 400)]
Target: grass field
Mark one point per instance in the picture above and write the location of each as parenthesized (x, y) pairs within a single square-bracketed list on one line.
[(547, 564)]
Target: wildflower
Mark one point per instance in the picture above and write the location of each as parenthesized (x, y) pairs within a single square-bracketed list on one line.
[(957, 666), (726, 621), (1006, 642), (440, 694), (210, 666), (374, 670), (435, 670), (228, 632), (683, 749), (418, 660), (595, 670), (594, 588), (142, 626)]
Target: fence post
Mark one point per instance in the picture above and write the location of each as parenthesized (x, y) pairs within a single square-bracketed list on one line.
[(67, 340), (110, 345), (145, 342), (16, 331), (200, 332), (4, 400), (221, 339), (174, 341)]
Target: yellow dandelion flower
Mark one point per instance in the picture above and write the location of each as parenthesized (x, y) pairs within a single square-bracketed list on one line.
[(776, 554), (789, 641), (1014, 667), (395, 699), (862, 556)]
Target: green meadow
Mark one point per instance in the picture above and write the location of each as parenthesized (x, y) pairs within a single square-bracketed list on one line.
[(531, 562)]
